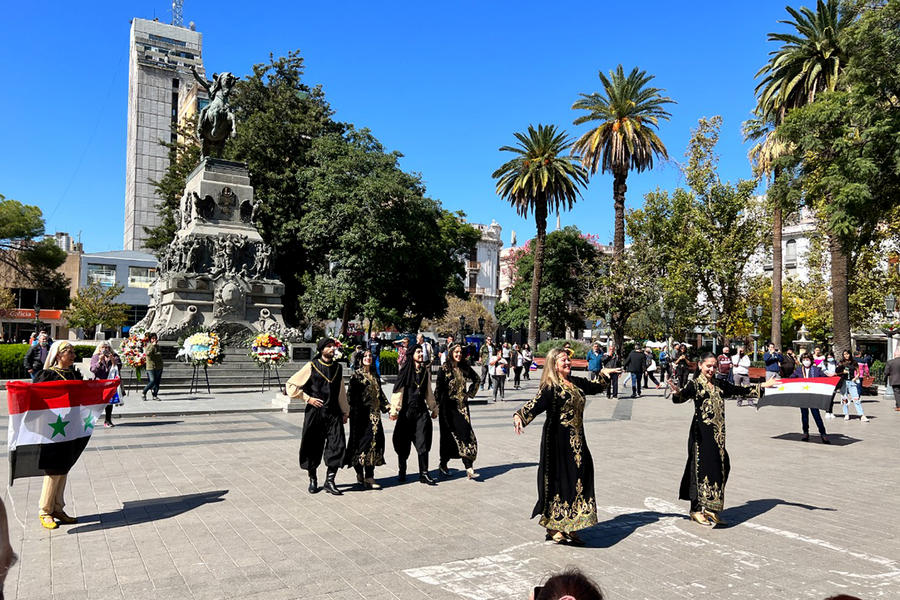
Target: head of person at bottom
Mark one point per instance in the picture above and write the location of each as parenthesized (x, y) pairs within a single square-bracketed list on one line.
[(571, 584), (61, 354), (557, 368), (326, 348), (455, 355), (706, 366)]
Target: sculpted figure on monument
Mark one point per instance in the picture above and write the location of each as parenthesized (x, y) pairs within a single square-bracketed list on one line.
[(216, 123), (263, 260)]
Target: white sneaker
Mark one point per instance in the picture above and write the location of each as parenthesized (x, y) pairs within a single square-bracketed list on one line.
[(864, 419), (829, 415), (846, 417)]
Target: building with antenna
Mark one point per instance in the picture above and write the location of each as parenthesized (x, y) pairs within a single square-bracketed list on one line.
[(160, 60)]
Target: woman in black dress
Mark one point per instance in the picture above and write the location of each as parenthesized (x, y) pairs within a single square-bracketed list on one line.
[(566, 471), (365, 446), (452, 395), (706, 471)]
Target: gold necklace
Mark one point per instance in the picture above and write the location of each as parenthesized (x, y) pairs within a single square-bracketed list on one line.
[(418, 379), (324, 376), (61, 372)]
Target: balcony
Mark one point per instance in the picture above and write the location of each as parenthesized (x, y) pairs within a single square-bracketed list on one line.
[(473, 265)]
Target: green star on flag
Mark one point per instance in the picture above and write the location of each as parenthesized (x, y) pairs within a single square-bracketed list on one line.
[(59, 427), (89, 422)]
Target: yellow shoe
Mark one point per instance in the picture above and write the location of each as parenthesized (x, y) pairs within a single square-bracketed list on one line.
[(64, 518), (700, 517), (48, 522)]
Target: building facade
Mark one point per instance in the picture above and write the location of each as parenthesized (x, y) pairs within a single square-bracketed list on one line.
[(133, 270), (160, 59), (483, 266)]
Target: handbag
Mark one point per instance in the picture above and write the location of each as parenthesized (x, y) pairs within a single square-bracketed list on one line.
[(652, 366), (120, 391)]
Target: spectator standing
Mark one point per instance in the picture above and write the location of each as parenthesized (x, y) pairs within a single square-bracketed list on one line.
[(527, 360), (664, 366), (724, 367), (595, 360), (680, 365), (427, 350), (788, 363), (37, 354), (807, 370), (634, 364), (402, 347), (484, 359), (450, 341), (829, 367), (741, 372), (498, 372), (154, 368), (611, 360), (506, 352), (848, 369), (772, 358), (516, 363), (650, 368), (892, 376), (102, 362), (818, 358)]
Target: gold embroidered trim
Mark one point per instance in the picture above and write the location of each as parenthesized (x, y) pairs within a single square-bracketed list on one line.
[(324, 376), (565, 517)]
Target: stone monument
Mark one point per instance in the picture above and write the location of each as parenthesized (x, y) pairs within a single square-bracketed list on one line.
[(217, 272)]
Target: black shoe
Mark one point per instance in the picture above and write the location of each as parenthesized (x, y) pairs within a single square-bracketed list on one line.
[(442, 468), (330, 486), (313, 485), (825, 440), (424, 478), (401, 475), (805, 437)]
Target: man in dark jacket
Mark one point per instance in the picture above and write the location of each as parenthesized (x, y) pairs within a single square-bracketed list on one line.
[(892, 375), (772, 359), (634, 364), (37, 354), (611, 360)]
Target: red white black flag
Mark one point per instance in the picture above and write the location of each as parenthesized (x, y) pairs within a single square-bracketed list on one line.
[(814, 392)]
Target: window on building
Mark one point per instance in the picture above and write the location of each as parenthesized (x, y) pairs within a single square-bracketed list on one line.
[(141, 277), (473, 253), (175, 82), (790, 253), (104, 275)]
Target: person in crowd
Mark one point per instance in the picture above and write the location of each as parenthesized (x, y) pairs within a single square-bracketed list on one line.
[(708, 465), (154, 367), (484, 359), (517, 363), (356, 357), (571, 584), (818, 358), (613, 363), (450, 341), (772, 357), (59, 366), (37, 354), (680, 365), (507, 353), (413, 407), (527, 360), (788, 363), (499, 367), (848, 369), (634, 364), (102, 362), (892, 376), (375, 349), (741, 371), (320, 384), (456, 383), (365, 445), (829, 367), (565, 482), (665, 369), (595, 361), (650, 368), (724, 367), (427, 350), (805, 370), (402, 351)]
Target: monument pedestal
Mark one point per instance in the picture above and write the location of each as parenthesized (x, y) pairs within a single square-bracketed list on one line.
[(288, 404)]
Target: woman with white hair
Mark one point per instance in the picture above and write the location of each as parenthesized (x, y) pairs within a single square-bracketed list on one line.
[(102, 362), (59, 366)]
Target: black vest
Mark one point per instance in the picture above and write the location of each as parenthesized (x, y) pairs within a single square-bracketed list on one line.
[(416, 402), (319, 387)]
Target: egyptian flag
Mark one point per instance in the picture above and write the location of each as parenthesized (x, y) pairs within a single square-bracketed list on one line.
[(814, 392), (50, 423)]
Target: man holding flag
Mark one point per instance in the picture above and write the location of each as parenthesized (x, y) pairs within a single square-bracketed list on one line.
[(50, 423)]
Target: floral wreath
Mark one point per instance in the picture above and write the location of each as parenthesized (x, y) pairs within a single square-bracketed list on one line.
[(266, 349), (201, 348), (133, 351)]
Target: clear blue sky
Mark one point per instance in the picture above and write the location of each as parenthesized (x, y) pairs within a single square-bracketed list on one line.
[(444, 83)]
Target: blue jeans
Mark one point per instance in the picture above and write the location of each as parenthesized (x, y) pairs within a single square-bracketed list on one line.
[(635, 384), (153, 379), (804, 420), (851, 394)]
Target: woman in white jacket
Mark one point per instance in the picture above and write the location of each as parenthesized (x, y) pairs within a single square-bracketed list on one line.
[(741, 372)]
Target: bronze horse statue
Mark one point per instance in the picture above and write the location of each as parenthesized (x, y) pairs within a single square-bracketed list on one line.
[(216, 123)]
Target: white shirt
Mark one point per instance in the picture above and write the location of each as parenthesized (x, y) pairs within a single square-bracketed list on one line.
[(741, 365)]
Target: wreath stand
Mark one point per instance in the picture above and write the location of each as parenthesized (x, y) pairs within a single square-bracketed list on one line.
[(195, 380), (136, 382), (268, 377)]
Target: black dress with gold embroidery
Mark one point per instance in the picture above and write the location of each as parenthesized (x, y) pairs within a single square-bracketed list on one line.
[(365, 446), (706, 471), (452, 395), (566, 470)]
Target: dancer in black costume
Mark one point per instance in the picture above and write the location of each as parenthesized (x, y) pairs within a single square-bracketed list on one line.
[(450, 391), (412, 403), (365, 446)]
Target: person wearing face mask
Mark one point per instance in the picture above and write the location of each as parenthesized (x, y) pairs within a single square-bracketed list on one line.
[(320, 385), (807, 370), (741, 372), (708, 465), (829, 366), (848, 369)]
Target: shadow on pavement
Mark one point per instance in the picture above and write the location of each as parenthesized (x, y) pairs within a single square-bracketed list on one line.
[(753, 508), (144, 511), (836, 439), (607, 534), (146, 423), (485, 473)]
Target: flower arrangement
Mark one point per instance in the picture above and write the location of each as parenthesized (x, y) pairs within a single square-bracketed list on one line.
[(202, 348), (891, 327), (132, 351), (267, 350)]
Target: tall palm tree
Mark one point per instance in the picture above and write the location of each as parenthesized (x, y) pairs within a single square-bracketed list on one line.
[(628, 112), (541, 178), (808, 62)]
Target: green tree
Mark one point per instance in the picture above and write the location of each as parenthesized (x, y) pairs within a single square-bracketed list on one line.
[(20, 224), (538, 180), (95, 305), (568, 256), (471, 309), (628, 112)]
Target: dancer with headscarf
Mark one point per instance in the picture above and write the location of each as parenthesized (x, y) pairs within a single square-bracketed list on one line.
[(457, 437), (59, 366), (412, 403), (365, 446), (319, 383)]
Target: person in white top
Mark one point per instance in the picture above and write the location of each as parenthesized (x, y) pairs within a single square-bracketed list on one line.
[(427, 350), (499, 369), (741, 371)]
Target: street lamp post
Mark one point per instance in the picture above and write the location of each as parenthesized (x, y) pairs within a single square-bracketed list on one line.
[(37, 318), (755, 317), (480, 324), (462, 328), (714, 315)]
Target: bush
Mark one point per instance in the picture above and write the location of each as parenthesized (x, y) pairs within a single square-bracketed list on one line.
[(387, 362), (83, 351), (580, 348), (877, 371), (12, 357)]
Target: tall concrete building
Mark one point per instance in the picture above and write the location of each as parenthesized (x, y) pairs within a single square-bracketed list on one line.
[(160, 59)]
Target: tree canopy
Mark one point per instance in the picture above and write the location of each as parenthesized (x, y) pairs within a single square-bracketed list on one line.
[(95, 305)]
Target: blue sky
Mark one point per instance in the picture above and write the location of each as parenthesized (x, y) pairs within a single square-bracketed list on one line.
[(444, 83)]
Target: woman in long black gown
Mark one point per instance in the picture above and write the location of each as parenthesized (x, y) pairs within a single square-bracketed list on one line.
[(365, 446), (708, 465), (566, 470), (457, 437)]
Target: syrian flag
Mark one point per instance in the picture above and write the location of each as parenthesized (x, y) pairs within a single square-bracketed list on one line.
[(50, 423), (814, 392)]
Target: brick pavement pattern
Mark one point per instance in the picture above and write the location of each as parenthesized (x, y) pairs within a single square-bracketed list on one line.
[(215, 506)]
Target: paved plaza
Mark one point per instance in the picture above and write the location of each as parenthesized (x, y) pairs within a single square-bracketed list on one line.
[(215, 506)]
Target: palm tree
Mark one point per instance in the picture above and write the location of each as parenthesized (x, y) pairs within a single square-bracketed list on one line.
[(628, 113), (541, 178), (808, 62)]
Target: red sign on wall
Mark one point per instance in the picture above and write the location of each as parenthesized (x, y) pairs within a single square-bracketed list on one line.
[(28, 314)]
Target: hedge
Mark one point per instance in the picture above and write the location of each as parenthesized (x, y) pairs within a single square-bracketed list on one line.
[(387, 362), (12, 358)]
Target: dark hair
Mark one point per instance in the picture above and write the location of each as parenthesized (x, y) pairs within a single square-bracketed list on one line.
[(706, 355), (805, 355), (152, 336), (570, 582)]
